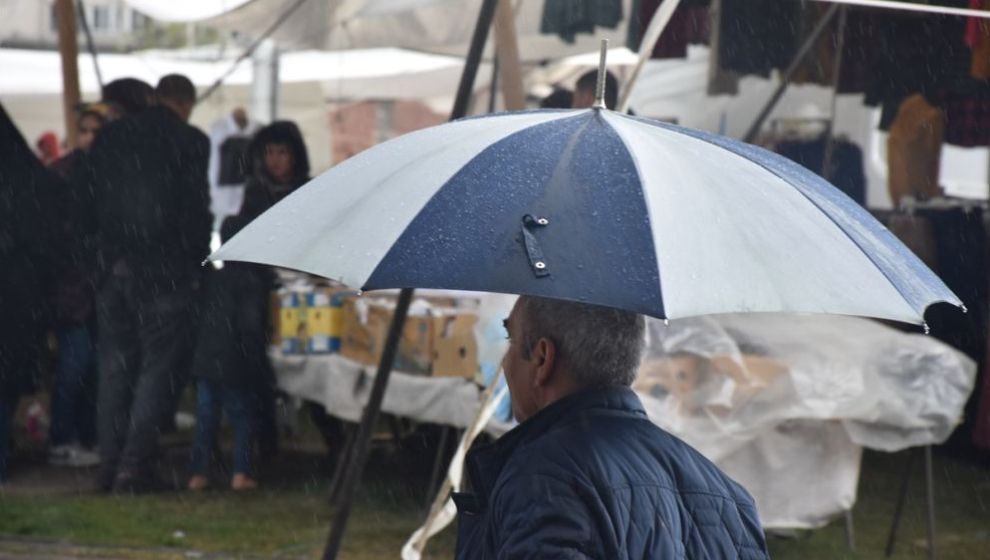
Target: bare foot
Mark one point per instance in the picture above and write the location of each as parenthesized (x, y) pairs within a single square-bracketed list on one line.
[(198, 483), (243, 482)]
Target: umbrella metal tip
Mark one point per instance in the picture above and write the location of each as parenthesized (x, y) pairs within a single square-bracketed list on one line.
[(600, 84)]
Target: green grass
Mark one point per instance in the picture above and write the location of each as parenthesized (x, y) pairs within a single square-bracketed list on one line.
[(962, 505), (290, 520)]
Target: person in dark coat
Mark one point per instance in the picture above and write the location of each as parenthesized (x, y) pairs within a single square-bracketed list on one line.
[(586, 474), (231, 361), (72, 434), (28, 253), (150, 230)]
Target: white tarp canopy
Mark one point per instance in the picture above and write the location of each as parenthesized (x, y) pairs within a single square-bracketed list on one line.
[(383, 73), (441, 26), (185, 10)]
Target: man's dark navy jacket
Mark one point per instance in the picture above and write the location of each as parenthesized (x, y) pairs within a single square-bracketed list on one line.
[(591, 477)]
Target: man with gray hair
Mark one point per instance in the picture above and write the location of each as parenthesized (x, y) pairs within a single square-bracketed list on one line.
[(586, 474)]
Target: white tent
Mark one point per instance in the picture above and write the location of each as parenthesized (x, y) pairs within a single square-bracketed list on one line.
[(31, 84), (440, 26)]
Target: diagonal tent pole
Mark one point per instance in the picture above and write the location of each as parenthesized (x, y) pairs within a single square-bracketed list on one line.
[(785, 79), (356, 459)]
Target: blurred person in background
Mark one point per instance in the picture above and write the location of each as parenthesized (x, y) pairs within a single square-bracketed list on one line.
[(232, 365), (584, 90), (177, 93), (28, 252), (48, 148), (72, 435), (150, 228)]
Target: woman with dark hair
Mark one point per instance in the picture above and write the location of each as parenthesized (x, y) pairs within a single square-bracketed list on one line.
[(231, 361)]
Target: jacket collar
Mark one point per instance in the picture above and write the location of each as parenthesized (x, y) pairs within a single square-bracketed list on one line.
[(485, 463)]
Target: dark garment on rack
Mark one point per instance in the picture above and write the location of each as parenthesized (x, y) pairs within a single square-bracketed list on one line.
[(757, 36), (915, 53), (967, 113), (846, 171), (960, 239), (981, 421), (961, 245), (567, 18), (689, 25)]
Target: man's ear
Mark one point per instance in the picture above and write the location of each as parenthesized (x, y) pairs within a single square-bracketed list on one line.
[(545, 358)]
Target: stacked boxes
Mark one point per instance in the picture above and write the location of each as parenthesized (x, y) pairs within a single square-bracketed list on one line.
[(291, 323), (309, 320), (324, 319), (437, 339)]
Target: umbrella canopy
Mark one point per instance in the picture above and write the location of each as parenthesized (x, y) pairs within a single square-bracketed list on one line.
[(597, 207)]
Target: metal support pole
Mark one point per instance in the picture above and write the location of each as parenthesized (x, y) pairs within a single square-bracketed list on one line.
[(840, 44), (850, 531), (68, 49), (356, 460), (90, 45), (785, 79), (899, 508), (930, 502), (478, 40), (337, 481)]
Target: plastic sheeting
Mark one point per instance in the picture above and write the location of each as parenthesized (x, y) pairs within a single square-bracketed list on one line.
[(784, 403)]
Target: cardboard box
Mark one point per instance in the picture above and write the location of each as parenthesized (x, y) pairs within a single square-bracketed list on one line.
[(324, 319), (292, 323), (690, 378), (440, 342), (455, 350)]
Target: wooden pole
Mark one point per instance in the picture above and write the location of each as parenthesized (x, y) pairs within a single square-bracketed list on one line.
[(507, 47), (68, 50)]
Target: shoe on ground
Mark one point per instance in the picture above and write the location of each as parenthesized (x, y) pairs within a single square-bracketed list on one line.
[(71, 455), (198, 483), (243, 482)]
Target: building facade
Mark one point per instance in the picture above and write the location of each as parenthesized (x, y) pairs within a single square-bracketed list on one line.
[(33, 24)]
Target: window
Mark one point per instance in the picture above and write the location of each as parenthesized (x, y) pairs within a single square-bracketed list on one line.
[(100, 20), (138, 21), (53, 17)]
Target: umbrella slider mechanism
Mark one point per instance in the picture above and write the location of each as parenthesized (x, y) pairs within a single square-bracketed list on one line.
[(533, 251)]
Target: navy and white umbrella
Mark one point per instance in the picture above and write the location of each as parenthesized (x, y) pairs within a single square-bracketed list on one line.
[(598, 207)]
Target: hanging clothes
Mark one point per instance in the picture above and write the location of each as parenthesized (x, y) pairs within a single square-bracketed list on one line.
[(757, 36), (567, 18), (914, 148), (981, 421), (915, 53), (978, 40), (967, 113), (689, 25)]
